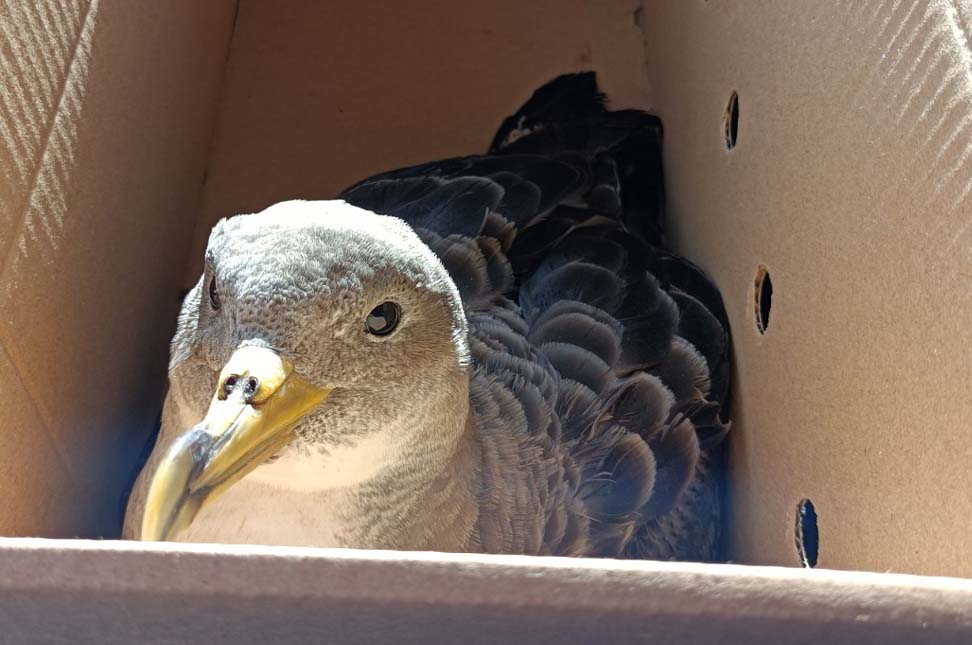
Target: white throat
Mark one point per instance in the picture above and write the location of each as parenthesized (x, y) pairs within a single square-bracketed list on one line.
[(309, 470)]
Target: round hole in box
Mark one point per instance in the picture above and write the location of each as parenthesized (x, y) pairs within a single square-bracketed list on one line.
[(731, 121), (763, 296), (807, 533)]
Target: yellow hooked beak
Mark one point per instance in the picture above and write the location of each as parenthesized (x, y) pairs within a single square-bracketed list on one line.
[(259, 399)]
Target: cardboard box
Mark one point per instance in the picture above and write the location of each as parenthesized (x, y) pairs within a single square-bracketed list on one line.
[(128, 128)]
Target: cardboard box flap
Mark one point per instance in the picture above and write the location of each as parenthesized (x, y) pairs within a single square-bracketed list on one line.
[(126, 592)]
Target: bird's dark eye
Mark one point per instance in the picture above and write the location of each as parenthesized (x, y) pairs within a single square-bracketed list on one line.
[(213, 294), (383, 319)]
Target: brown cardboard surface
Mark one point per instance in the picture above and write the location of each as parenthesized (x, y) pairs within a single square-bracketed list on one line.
[(80, 592), (106, 112), (851, 182), (39, 497)]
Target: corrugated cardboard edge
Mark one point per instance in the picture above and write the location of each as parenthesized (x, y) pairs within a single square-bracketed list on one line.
[(191, 593)]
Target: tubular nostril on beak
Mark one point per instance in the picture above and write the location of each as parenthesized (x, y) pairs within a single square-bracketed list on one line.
[(253, 374), (250, 388), (229, 385), (249, 385)]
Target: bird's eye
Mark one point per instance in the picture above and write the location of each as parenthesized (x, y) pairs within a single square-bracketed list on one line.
[(213, 294), (383, 319)]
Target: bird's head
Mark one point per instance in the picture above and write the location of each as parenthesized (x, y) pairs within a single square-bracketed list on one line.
[(316, 326)]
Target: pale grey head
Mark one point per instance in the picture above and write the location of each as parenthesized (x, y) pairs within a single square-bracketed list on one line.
[(342, 319), (302, 279)]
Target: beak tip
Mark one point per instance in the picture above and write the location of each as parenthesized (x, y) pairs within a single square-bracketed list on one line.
[(169, 500)]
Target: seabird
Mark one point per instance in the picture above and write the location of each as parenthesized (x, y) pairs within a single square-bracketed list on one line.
[(493, 353)]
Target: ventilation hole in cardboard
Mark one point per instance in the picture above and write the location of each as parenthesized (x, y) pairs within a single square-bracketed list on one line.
[(763, 292), (807, 533), (732, 121)]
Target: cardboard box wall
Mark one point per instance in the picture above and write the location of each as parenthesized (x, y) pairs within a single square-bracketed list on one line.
[(128, 128)]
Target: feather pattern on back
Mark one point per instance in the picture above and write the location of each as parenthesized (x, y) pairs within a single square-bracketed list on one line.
[(600, 360)]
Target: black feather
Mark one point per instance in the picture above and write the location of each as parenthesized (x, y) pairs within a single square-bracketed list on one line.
[(642, 404), (566, 98), (578, 364), (649, 317), (699, 326), (676, 451), (622, 481), (581, 330), (587, 283), (521, 198)]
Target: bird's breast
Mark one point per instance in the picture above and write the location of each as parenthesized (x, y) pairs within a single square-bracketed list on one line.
[(251, 512)]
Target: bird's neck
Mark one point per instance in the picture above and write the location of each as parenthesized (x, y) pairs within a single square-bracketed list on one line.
[(426, 499)]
